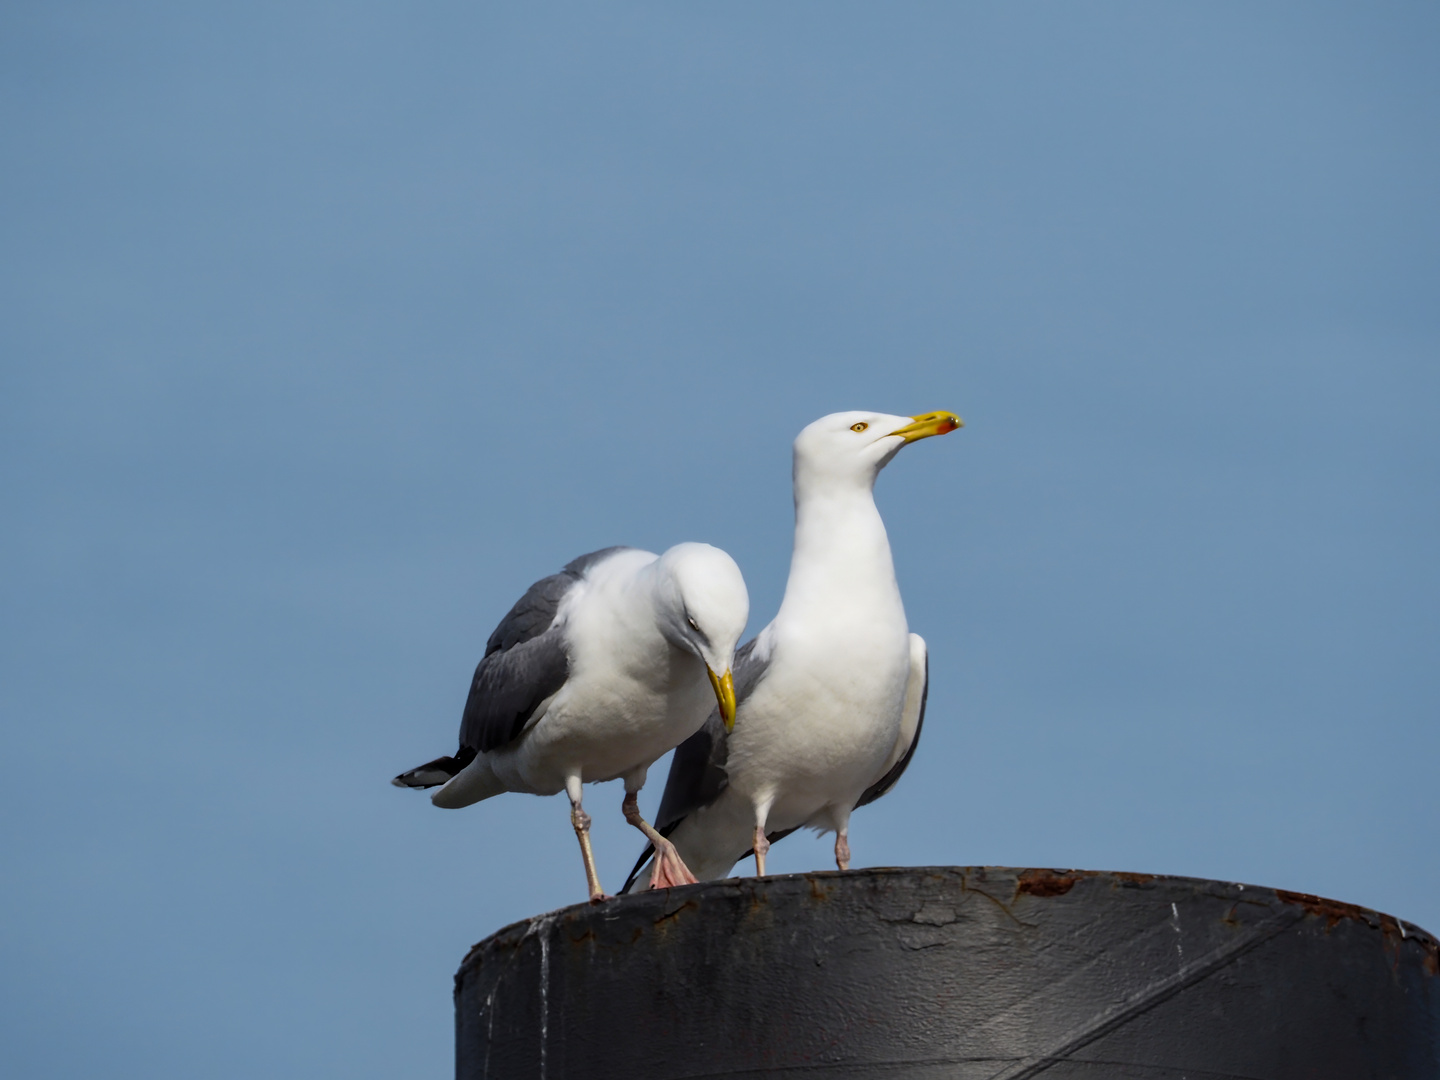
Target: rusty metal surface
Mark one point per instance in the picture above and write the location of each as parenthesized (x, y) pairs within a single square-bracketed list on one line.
[(958, 973)]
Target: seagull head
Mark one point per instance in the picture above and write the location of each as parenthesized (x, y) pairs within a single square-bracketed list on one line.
[(703, 607), (852, 447)]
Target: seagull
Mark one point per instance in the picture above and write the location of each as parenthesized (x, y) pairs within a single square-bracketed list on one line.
[(595, 673), (831, 695)]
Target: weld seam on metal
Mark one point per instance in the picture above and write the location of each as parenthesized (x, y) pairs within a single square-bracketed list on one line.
[(906, 1068), (1143, 1001)]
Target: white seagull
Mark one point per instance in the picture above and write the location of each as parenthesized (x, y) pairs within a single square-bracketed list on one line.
[(595, 673), (831, 695)]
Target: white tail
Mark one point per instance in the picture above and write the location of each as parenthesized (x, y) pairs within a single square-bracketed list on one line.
[(475, 782)]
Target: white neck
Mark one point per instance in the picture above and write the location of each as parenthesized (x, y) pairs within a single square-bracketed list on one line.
[(841, 561)]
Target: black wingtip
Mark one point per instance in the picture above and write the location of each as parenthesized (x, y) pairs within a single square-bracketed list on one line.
[(639, 865), (434, 773), (422, 777)]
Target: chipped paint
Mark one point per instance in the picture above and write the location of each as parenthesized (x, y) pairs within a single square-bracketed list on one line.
[(905, 970), (1133, 879), (1048, 883), (1332, 911)]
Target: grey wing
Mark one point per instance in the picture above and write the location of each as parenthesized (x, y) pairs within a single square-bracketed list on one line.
[(697, 772), (697, 775), (525, 661), (917, 690)]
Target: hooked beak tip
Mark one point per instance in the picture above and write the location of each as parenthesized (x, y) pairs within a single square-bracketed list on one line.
[(724, 687), (928, 424)]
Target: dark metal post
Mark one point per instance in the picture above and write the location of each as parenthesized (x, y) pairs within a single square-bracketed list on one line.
[(953, 972)]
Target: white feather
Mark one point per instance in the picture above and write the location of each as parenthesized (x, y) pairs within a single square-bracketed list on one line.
[(839, 701), (632, 693)]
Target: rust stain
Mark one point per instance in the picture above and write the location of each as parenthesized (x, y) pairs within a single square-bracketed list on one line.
[(818, 891), (1048, 883), (1390, 927), (1133, 879), (1332, 911)]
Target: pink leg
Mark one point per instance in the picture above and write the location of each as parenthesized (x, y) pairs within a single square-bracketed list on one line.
[(842, 849), (667, 868), (581, 821), (762, 848)]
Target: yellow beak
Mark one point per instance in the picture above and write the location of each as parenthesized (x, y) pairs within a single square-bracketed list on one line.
[(927, 424), (725, 694)]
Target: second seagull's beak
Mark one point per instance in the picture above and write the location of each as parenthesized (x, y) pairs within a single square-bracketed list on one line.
[(725, 694), (927, 424)]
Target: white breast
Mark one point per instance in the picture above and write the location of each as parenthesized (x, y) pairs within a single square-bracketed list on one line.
[(630, 697)]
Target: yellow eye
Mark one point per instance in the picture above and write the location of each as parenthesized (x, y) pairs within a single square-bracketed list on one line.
[(859, 427)]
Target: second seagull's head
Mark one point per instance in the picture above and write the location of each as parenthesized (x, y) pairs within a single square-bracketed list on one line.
[(852, 447), (703, 609)]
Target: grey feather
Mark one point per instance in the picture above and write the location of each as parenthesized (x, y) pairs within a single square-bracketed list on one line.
[(697, 771), (509, 686), (525, 660), (891, 778)]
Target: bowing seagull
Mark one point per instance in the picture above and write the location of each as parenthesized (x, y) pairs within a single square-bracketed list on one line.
[(594, 674), (831, 695)]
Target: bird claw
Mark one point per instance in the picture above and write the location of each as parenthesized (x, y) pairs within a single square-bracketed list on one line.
[(670, 870)]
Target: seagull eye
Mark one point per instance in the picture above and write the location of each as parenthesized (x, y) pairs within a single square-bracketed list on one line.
[(859, 427), (693, 624)]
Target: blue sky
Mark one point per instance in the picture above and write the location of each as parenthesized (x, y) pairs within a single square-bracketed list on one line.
[(329, 327)]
